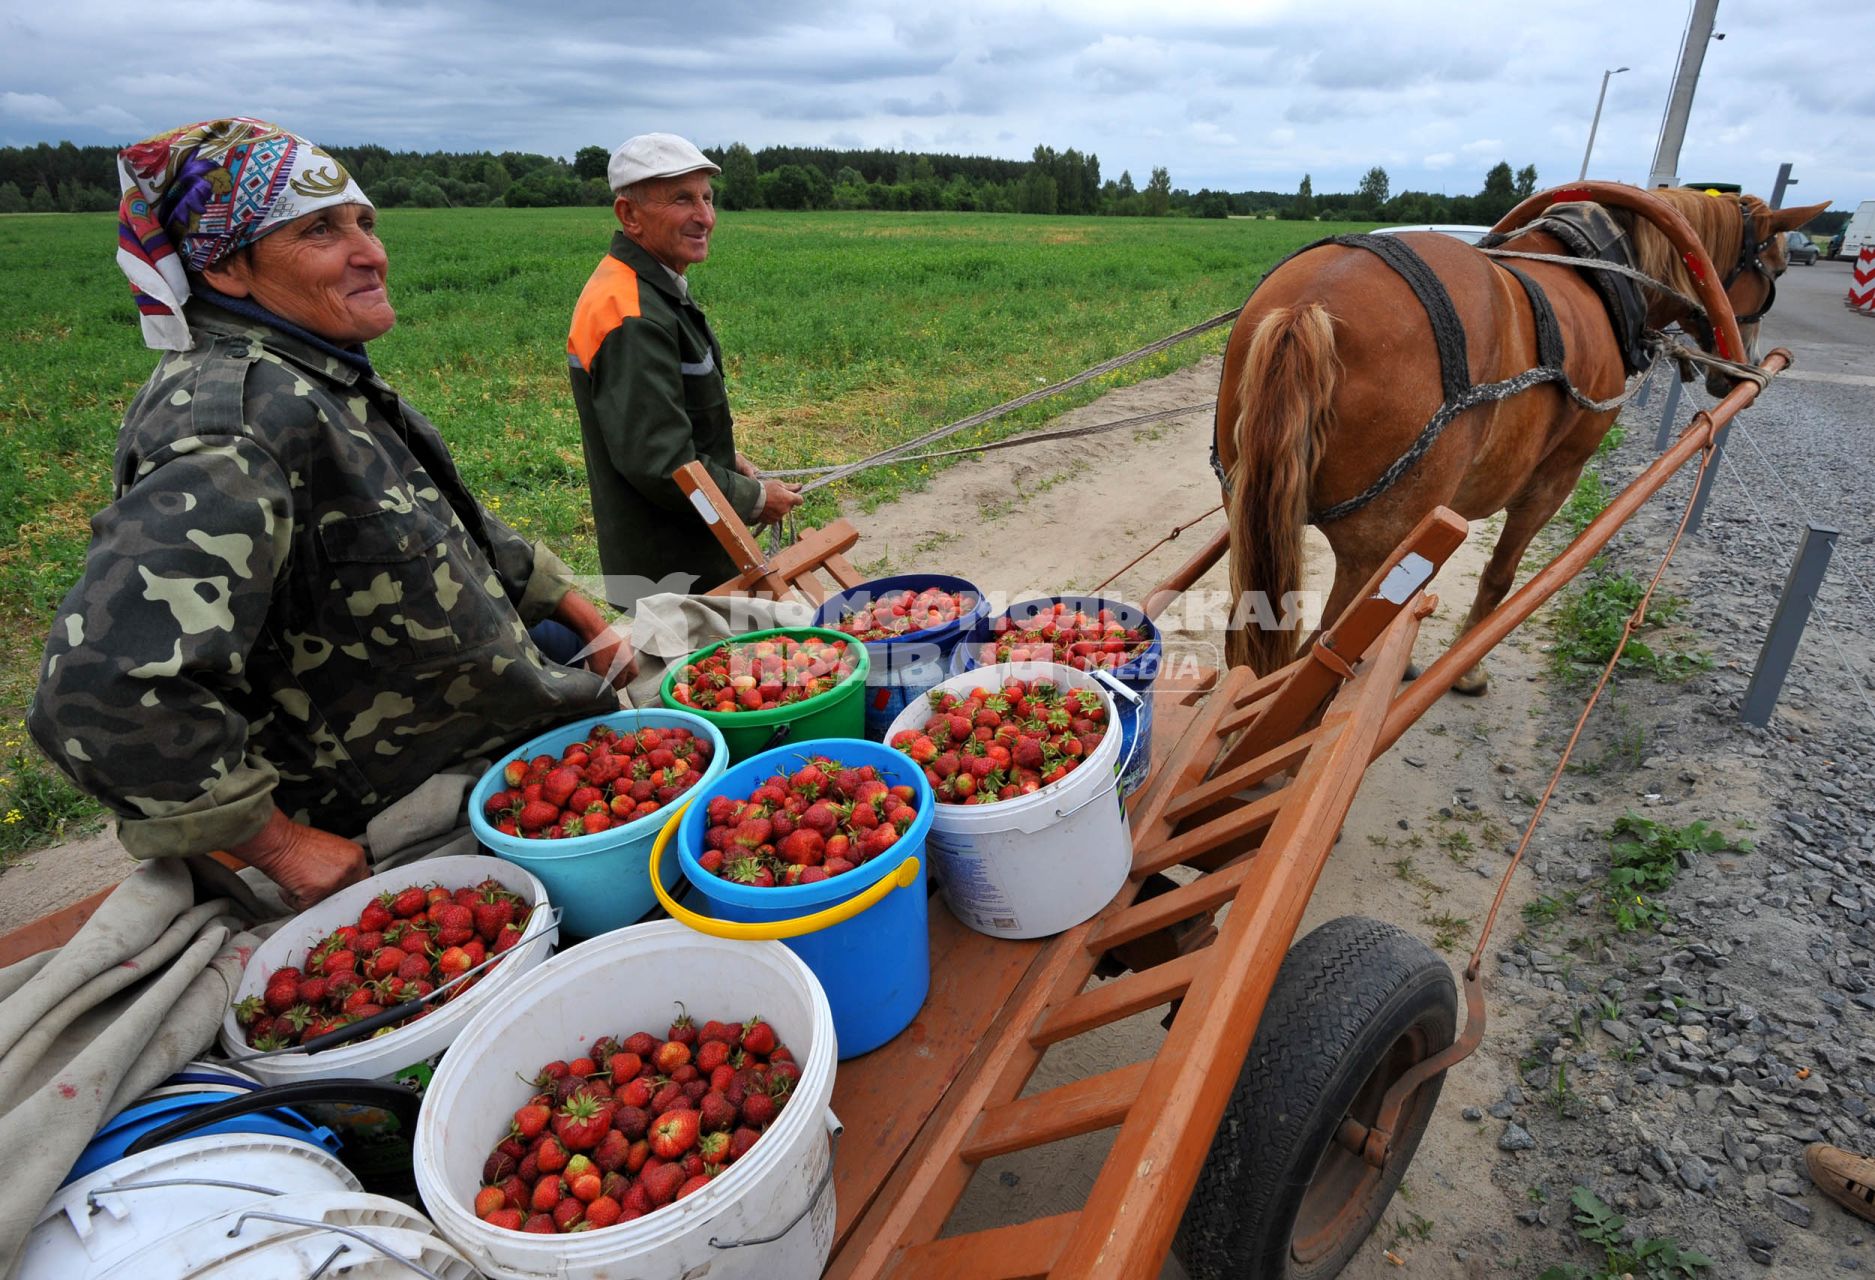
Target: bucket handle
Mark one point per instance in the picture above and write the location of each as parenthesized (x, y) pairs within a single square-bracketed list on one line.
[(834, 1130), (1120, 689), (395, 1099), (349, 1233), (113, 1188), (772, 930)]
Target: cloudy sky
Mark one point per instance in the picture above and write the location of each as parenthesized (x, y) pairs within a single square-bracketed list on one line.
[(1230, 94)]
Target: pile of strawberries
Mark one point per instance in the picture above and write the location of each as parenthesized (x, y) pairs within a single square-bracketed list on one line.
[(760, 675), (635, 1124), (405, 944), (1002, 743), (901, 612), (1061, 633), (602, 781), (822, 820)]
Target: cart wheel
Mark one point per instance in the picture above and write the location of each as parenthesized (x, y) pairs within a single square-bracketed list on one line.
[(1355, 1004)]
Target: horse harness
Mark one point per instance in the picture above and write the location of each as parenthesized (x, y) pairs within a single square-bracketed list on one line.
[(1589, 234)]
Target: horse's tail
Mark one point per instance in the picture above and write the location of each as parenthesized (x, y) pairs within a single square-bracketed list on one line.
[(1283, 413)]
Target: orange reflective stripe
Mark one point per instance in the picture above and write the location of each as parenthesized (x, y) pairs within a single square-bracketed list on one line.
[(610, 297)]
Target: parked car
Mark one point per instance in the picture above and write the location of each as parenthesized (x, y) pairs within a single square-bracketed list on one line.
[(1801, 248), (1457, 230)]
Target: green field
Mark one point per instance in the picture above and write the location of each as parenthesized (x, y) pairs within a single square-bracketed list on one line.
[(842, 332)]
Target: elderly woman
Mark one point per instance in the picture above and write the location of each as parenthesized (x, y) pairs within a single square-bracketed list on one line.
[(293, 612)]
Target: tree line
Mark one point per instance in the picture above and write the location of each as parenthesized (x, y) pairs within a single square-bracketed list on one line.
[(65, 177)]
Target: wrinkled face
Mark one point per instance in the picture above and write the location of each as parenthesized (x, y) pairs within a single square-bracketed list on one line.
[(671, 218), (325, 272)]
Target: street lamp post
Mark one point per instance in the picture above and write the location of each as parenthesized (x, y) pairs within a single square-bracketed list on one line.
[(1596, 122)]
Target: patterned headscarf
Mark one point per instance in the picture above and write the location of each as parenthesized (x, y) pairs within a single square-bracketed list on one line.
[(194, 195)]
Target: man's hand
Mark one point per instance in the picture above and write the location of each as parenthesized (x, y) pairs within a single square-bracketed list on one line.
[(745, 467), (308, 864), (608, 647), (778, 500)]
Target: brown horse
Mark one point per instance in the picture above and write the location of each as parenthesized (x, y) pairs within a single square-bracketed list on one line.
[(1332, 371)]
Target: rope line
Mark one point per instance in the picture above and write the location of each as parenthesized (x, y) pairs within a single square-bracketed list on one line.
[(1635, 617), (1176, 530), (1016, 442), (1616, 268), (892, 454)]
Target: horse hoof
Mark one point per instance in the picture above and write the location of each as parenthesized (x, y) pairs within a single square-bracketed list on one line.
[(1411, 672), (1472, 684)]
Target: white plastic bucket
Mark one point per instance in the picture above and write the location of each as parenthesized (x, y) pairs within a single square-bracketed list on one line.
[(616, 984), (255, 1234), (408, 1053), (1044, 862), (117, 1213)]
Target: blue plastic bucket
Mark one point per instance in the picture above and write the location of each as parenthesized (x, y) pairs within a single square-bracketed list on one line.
[(110, 1142), (906, 667), (864, 933), (599, 881), (1137, 675)]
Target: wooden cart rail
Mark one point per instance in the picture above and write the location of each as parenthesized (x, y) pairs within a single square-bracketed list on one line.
[(997, 1007)]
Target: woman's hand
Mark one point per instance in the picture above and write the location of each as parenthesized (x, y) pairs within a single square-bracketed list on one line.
[(308, 864), (608, 646)]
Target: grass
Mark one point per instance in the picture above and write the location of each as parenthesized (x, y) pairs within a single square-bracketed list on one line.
[(1645, 859), (1600, 1228), (842, 333), (1590, 497), (1590, 619)]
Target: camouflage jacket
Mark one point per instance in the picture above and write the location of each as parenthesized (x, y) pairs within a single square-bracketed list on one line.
[(292, 600)]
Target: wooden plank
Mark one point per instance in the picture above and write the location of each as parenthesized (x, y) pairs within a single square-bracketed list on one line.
[(49, 931), (887, 1094), (843, 572), (1083, 1106), (1225, 785), (1019, 1252), (1201, 896), (1244, 820), (705, 495), (1118, 999)]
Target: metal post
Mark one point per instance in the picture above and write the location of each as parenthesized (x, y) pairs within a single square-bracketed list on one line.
[(1668, 411), (1646, 392), (1595, 123), (1787, 623), (1680, 103), (1705, 484), (1783, 180)]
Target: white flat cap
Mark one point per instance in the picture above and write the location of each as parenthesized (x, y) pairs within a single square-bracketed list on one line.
[(655, 155)]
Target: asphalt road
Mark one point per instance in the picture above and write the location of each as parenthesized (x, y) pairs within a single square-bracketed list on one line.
[(1829, 341)]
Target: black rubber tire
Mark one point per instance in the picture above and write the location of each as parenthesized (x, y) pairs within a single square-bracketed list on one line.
[(1355, 1002)]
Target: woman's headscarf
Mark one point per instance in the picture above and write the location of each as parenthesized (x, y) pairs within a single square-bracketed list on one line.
[(194, 195)]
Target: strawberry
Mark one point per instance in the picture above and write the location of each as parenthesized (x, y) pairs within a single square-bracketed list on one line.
[(740, 1141), (498, 1168), (642, 1043), (249, 1011), (492, 915), (376, 916), (568, 1213), (552, 1155), (758, 1037), (715, 1113), (506, 1219), (624, 1067), (547, 1194), (507, 939), (582, 1122), (586, 1187), (540, 1224), (693, 1185), (682, 1030), (759, 1110), (559, 785), (610, 1154), (674, 1133), (661, 1184), (630, 1121), (488, 1200), (671, 1055), (603, 1212), (339, 962), (408, 902), (514, 773), (537, 814)]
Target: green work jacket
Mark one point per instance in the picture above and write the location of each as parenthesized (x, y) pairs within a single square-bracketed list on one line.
[(647, 378)]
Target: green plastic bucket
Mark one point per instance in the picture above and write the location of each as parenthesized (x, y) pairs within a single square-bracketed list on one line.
[(838, 713)]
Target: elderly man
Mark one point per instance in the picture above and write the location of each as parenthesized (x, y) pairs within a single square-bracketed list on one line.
[(294, 611), (648, 381)]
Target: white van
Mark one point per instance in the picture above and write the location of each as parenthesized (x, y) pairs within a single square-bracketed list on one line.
[(1860, 231)]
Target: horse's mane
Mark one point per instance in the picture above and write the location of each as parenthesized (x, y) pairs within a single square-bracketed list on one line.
[(1714, 220)]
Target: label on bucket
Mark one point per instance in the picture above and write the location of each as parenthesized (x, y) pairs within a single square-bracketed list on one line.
[(971, 885)]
